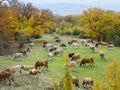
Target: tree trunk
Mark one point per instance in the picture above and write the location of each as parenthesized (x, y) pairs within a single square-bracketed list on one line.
[(104, 37), (98, 38)]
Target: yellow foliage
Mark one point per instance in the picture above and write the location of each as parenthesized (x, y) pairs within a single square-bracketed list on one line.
[(27, 31), (111, 80), (67, 79), (99, 23)]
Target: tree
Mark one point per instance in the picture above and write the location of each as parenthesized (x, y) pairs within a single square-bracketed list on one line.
[(8, 23), (98, 23)]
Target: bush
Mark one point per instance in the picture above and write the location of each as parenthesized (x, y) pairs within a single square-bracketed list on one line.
[(117, 41), (21, 38)]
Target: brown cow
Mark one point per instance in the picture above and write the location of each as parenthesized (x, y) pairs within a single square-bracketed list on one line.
[(41, 63), (75, 81), (87, 81), (75, 56), (58, 51), (87, 60), (6, 75), (92, 48), (25, 51), (102, 55)]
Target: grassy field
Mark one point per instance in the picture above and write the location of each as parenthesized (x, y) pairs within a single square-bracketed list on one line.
[(56, 65)]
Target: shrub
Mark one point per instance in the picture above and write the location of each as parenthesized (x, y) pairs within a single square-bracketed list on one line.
[(117, 41)]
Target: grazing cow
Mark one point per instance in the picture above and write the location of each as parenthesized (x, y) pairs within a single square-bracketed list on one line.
[(70, 55), (45, 42), (87, 81), (18, 55), (92, 48), (110, 46), (50, 55), (57, 40), (87, 60), (102, 55), (34, 72), (63, 45), (69, 42), (75, 81), (27, 68), (83, 41), (14, 69), (87, 44), (72, 64), (52, 49), (97, 44), (74, 41), (31, 44), (47, 46), (75, 56), (58, 51), (75, 45), (6, 75), (103, 43), (26, 50), (41, 63)]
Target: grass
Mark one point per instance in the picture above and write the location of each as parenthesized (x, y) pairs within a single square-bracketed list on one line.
[(56, 65)]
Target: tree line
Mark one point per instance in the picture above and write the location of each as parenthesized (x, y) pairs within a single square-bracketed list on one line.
[(19, 22)]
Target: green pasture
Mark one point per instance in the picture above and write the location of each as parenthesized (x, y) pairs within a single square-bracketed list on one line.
[(56, 64)]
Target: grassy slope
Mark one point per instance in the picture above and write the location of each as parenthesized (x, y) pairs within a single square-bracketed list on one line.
[(56, 65)]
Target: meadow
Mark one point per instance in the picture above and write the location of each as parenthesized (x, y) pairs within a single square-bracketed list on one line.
[(56, 64)]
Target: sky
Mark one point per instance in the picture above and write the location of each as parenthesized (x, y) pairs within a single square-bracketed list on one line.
[(85, 2), (109, 4)]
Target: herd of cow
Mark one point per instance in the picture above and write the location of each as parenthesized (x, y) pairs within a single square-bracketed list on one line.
[(52, 52)]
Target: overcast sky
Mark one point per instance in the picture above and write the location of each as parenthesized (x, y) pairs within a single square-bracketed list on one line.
[(85, 2), (109, 4)]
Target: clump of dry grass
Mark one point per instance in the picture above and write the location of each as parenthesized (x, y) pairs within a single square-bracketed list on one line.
[(29, 82)]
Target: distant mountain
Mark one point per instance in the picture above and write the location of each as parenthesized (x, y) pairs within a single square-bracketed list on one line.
[(65, 8)]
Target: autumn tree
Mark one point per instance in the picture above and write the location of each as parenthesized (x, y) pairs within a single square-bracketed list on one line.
[(8, 23), (98, 23), (111, 80), (8, 28)]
